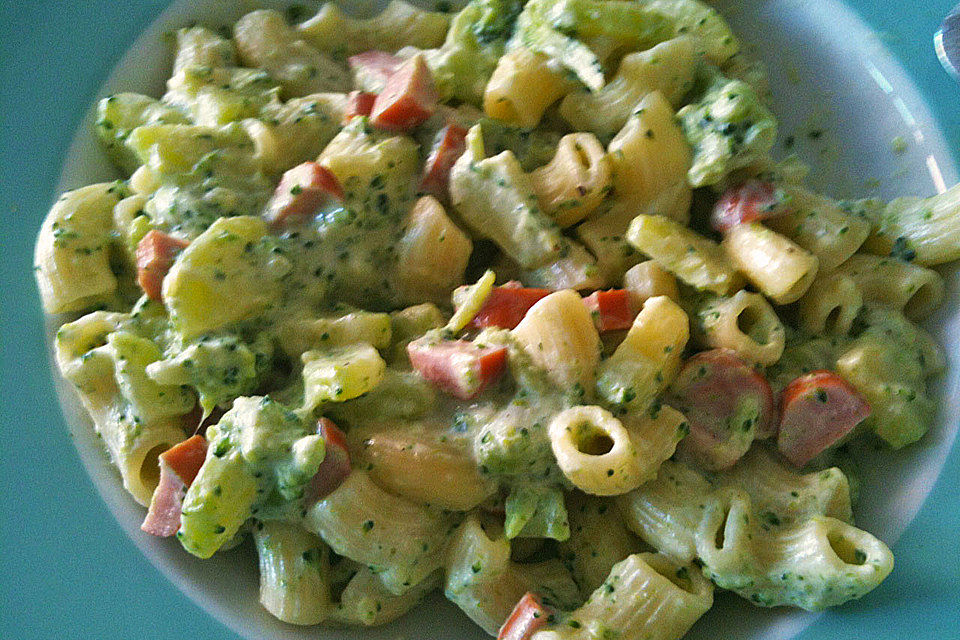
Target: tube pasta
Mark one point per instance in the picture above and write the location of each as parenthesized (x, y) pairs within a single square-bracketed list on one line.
[(649, 154), (137, 418), (293, 572), (648, 358), (604, 232), (914, 290), (694, 259), (296, 131), (830, 305), (594, 451), (927, 228), (744, 323), (72, 255), (263, 39), (495, 198), (424, 468), (646, 596), (559, 336), (649, 280), (598, 540), (575, 181), (815, 564), (668, 68), (666, 511), (521, 88), (782, 270), (818, 225), (486, 584), (433, 253), (400, 24), (576, 269), (402, 542), (791, 496), (298, 335), (365, 601)]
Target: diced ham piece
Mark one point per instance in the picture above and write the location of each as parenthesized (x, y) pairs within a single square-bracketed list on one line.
[(375, 66), (751, 201), (179, 466), (458, 367), (359, 103), (528, 617), (727, 404), (817, 411), (156, 252), (506, 305), (611, 310), (302, 190), (336, 462), (408, 98), (450, 144)]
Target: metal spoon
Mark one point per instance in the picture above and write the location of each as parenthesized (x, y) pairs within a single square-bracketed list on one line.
[(947, 42)]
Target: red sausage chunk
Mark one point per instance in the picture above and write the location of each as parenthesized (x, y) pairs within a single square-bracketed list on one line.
[(817, 411), (727, 404)]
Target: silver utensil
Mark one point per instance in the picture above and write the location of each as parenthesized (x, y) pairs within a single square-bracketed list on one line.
[(947, 42)]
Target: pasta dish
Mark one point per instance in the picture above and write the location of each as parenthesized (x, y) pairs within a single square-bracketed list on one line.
[(512, 302)]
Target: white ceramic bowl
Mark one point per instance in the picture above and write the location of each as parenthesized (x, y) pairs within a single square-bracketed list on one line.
[(828, 73)]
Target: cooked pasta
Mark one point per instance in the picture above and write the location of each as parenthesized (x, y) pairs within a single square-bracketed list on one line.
[(782, 270), (514, 303)]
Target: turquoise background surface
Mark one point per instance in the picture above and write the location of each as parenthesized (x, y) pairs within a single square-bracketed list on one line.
[(68, 571)]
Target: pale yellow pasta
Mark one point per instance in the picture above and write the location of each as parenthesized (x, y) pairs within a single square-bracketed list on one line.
[(424, 467), (744, 323), (646, 597), (649, 280), (694, 259), (655, 437), (484, 582), (575, 181), (432, 254), (143, 181), (814, 564), (648, 358), (298, 334), (912, 289), (72, 254), (403, 542), (818, 225), (522, 86), (559, 336), (598, 540), (668, 68), (294, 564), (366, 602), (295, 131), (666, 511), (649, 154), (782, 270), (576, 270), (137, 418), (792, 496), (198, 46), (594, 451), (265, 40), (830, 305), (603, 233), (400, 24)]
